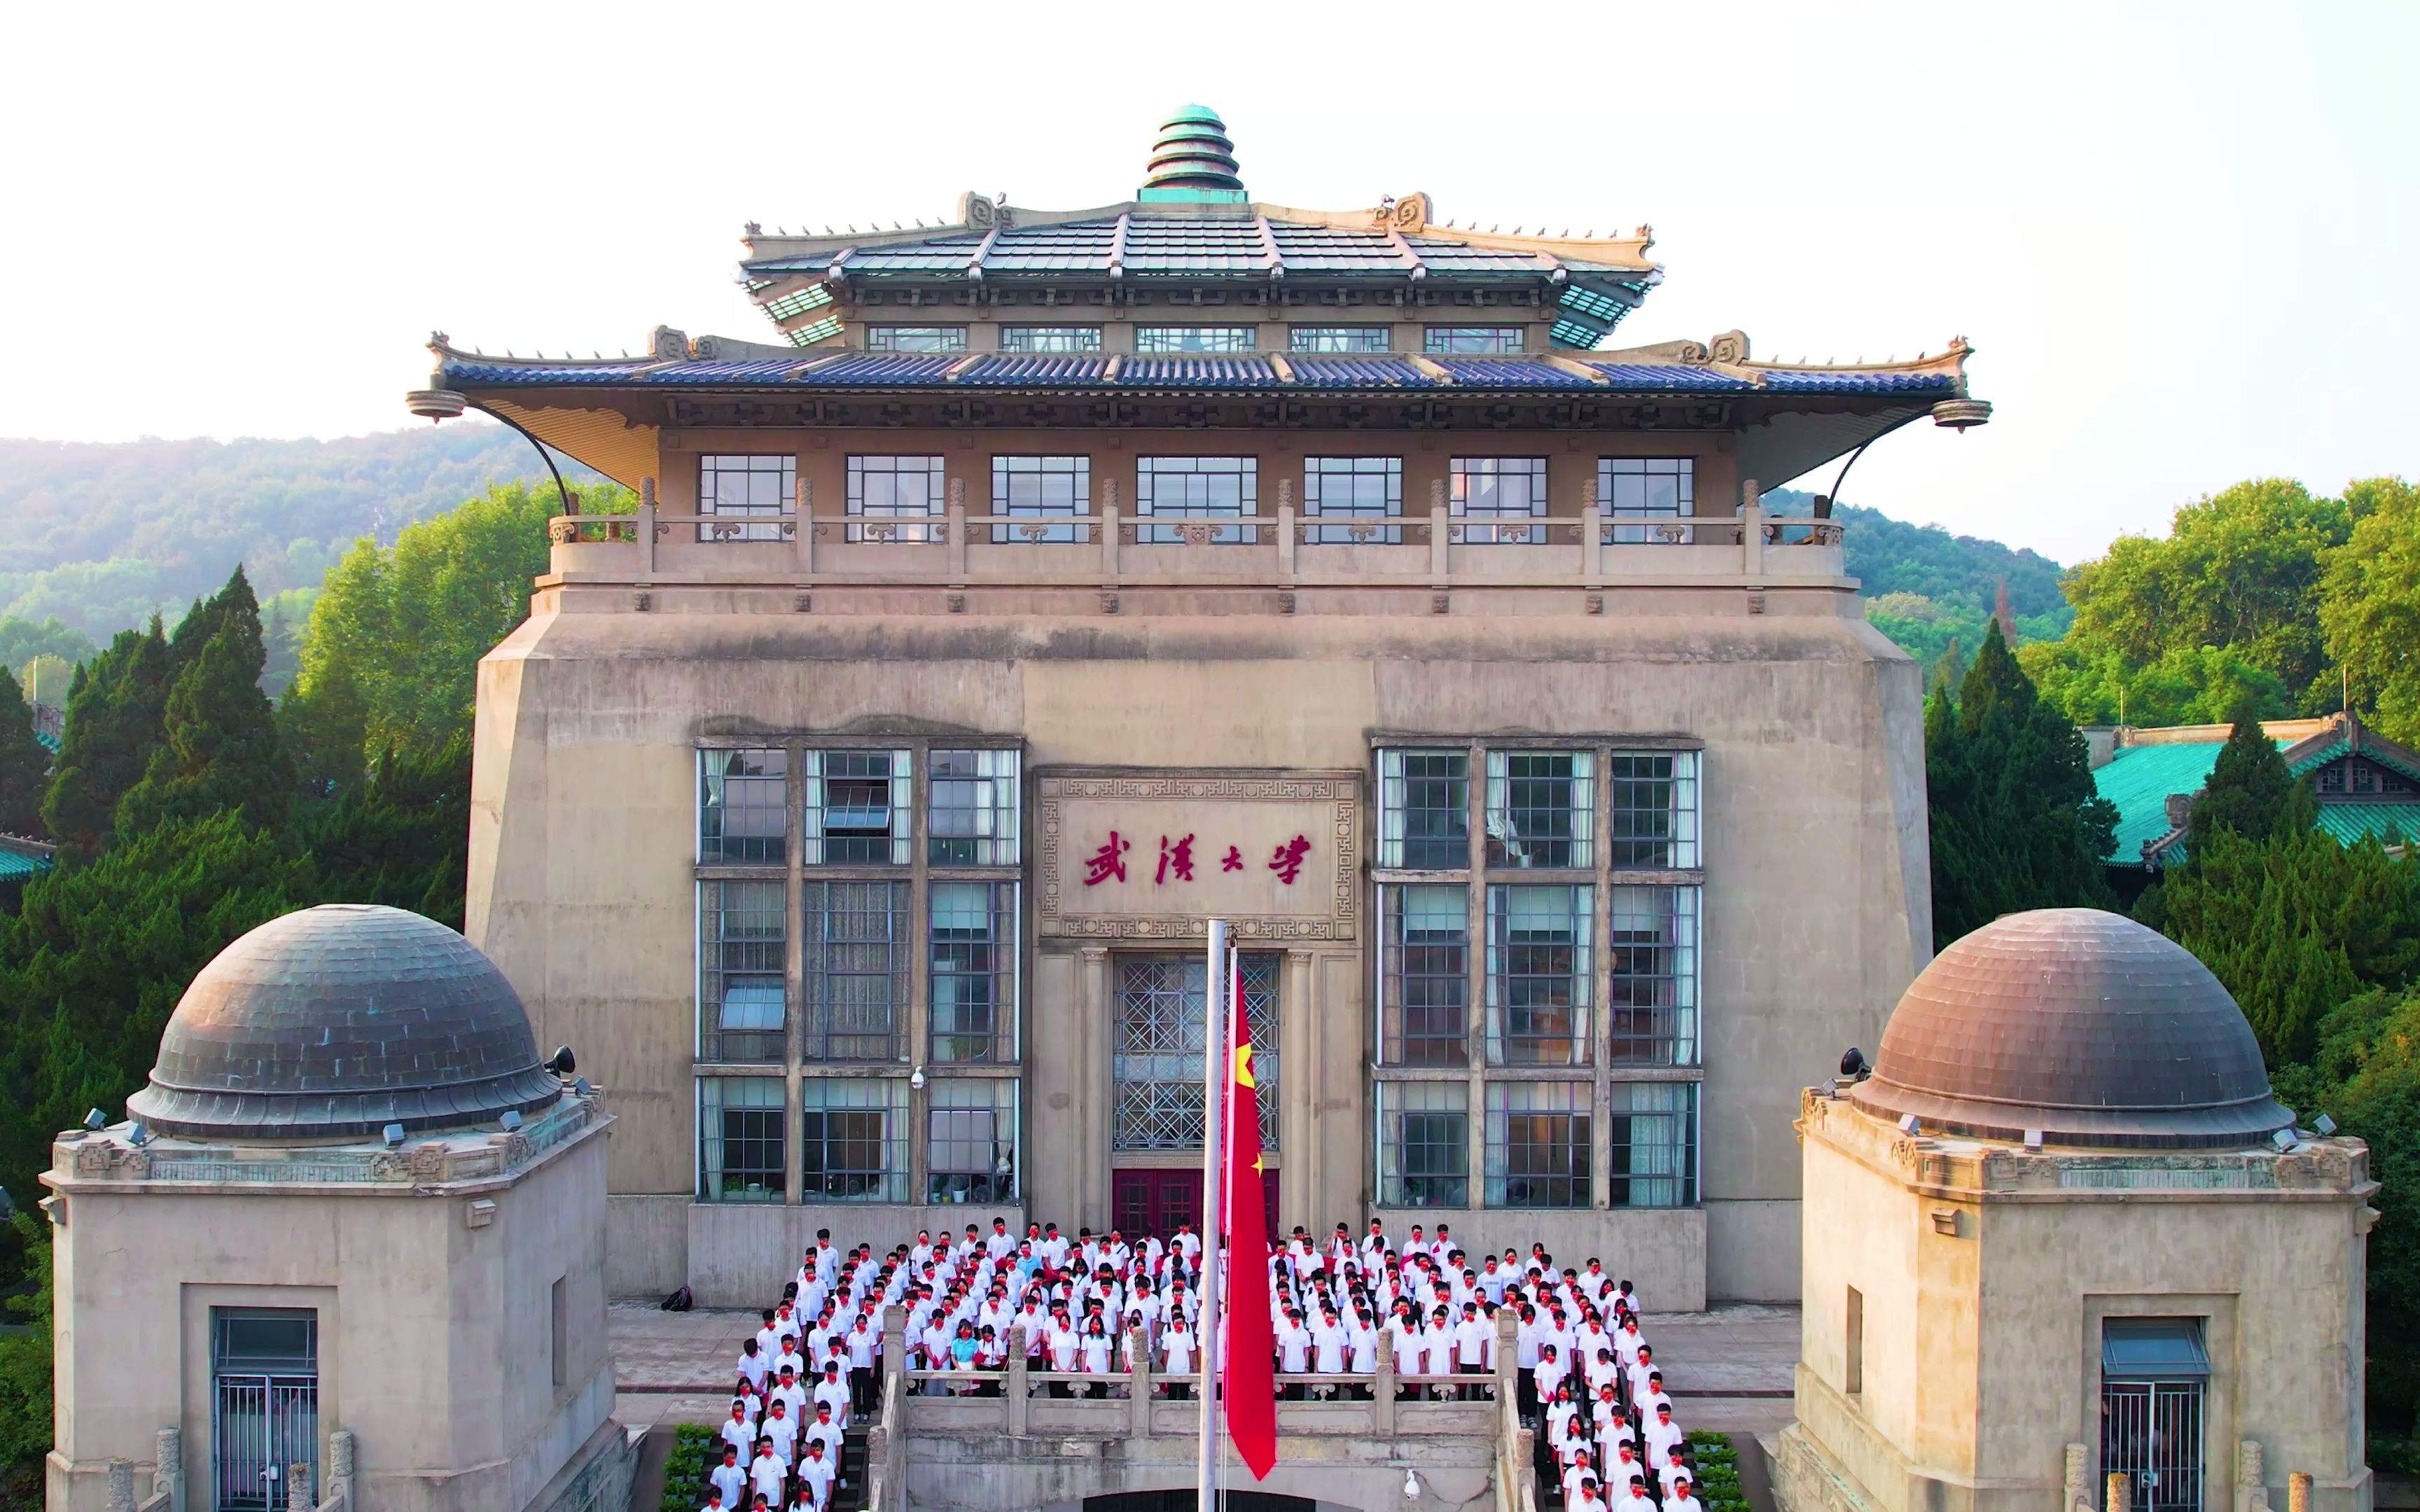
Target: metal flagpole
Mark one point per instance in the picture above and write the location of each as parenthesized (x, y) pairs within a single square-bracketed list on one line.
[(1216, 1069)]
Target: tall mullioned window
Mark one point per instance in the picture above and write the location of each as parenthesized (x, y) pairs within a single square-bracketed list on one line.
[(1339, 339), (858, 943), (856, 808), (1540, 976), (1424, 802), (1156, 1049), (1040, 488), (971, 1140), (1540, 1145), (743, 985), (1654, 1144), (746, 489), (1494, 499), (973, 820), (1163, 340), (1636, 493), (1653, 809), (1196, 488), (1352, 500), (1423, 1144), (743, 806), (1473, 341), (1652, 947), (895, 499), (1424, 986), (741, 1147), (1056, 339), (915, 338), (973, 971), (1541, 808), (853, 1140)]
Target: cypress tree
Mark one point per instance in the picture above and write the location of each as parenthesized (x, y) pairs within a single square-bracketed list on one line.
[(115, 713), (2250, 790), (25, 763), (220, 749), (2016, 822)]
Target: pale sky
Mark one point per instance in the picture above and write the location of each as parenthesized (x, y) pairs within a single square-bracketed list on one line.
[(2182, 237)]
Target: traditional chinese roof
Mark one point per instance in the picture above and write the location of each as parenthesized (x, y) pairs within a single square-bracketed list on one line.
[(2141, 779)]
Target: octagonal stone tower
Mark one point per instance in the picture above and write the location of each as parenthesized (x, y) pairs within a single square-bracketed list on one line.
[(355, 1230), (2064, 1242)]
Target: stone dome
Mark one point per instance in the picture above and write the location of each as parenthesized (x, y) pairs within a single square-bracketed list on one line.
[(337, 1021), (2078, 1023)]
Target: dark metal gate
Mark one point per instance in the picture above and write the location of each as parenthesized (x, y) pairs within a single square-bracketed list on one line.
[(2151, 1433), (264, 1405)]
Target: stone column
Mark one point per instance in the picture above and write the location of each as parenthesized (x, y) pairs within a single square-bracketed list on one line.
[(2298, 1491), (1017, 1385), (2251, 1477), (298, 1488), (340, 1469), (122, 1485), (2079, 1479), (1138, 1385), (1383, 1409), (646, 529), (1507, 1354), (2122, 1493), (169, 1461)]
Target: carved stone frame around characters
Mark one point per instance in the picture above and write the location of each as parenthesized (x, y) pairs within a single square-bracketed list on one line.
[(1340, 790)]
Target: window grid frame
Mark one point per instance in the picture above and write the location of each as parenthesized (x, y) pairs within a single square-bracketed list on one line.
[(1433, 1103), (1516, 970), (958, 1098), (1474, 341), (1631, 841), (1398, 849), (1562, 835), (1635, 524), (715, 809), (1482, 504), (716, 1137), (1236, 519), (826, 1098), (1054, 341), (721, 474), (1334, 341), (996, 832), (886, 521), (1568, 1140), (933, 340), (818, 847), (1355, 521), (999, 972), (889, 959), (1438, 1049), (1195, 340), (764, 959), (1008, 471)]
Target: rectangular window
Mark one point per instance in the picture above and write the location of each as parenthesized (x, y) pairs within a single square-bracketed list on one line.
[(857, 949), (1654, 1156), (1423, 1144), (1653, 818), (740, 1146), (1651, 949), (970, 1139), (746, 489), (1636, 493), (799, 302), (853, 1140), (974, 965), (894, 498), (1492, 498), (1537, 1142), (1324, 339), (558, 1350), (856, 807), (1541, 808), (1197, 488), (1050, 338), (1360, 495), (1424, 802), (1425, 995), (1538, 975), (2154, 1379), (1040, 488), (1156, 1049), (743, 982), (1473, 341), (1163, 340), (915, 338), (743, 807), (974, 816)]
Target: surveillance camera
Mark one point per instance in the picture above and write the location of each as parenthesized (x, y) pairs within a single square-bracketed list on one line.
[(561, 1062), (1411, 1486), (1852, 1065)]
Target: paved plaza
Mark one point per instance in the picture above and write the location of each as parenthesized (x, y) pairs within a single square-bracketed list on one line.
[(1729, 1368)]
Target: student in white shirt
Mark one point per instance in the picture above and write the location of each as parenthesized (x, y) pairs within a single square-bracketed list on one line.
[(1580, 1472), (781, 1430), (818, 1473), (1472, 1337), (1662, 1434), (1636, 1500), (738, 1430), (823, 1431), (730, 1477), (765, 1473), (1096, 1346), (1411, 1352), (1178, 1345), (1682, 1497), (1671, 1473), (753, 1364)]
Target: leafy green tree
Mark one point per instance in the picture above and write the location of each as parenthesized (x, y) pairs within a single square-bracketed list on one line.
[(220, 748), (401, 838), (21, 641), (115, 720), (2249, 789), (2369, 605), (46, 678), (2201, 684), (2366, 1074), (2015, 821), (2240, 569), (25, 1362), (25, 763)]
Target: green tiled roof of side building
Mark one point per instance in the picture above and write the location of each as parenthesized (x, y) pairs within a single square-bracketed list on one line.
[(2139, 779), (18, 867)]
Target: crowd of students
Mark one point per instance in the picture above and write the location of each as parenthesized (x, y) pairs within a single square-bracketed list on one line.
[(1082, 1307)]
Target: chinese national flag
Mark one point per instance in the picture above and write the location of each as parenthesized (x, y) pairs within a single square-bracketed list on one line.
[(1248, 1377)]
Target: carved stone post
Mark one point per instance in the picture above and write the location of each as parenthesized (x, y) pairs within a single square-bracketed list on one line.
[(2122, 1492), (1138, 1383), (168, 1472), (958, 532), (1017, 1385), (1592, 546), (805, 511), (1440, 558), (1109, 533), (122, 1485), (340, 1469), (2079, 1479), (1383, 1409), (1751, 530), (298, 1488), (646, 529), (2251, 1477), (1288, 534), (2298, 1491), (1508, 1362)]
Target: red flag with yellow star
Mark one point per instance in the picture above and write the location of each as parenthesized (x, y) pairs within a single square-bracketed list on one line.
[(1247, 1374)]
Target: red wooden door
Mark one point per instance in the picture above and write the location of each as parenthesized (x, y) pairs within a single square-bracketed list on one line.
[(1155, 1201)]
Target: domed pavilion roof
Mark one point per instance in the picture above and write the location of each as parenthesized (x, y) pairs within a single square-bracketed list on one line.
[(337, 1021), (2081, 1024)]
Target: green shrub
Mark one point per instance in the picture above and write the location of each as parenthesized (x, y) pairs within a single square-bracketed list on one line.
[(694, 1453)]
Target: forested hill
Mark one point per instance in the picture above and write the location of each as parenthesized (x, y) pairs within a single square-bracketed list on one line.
[(99, 535)]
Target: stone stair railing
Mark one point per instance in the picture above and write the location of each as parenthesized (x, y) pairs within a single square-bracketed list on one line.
[(2250, 1483)]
